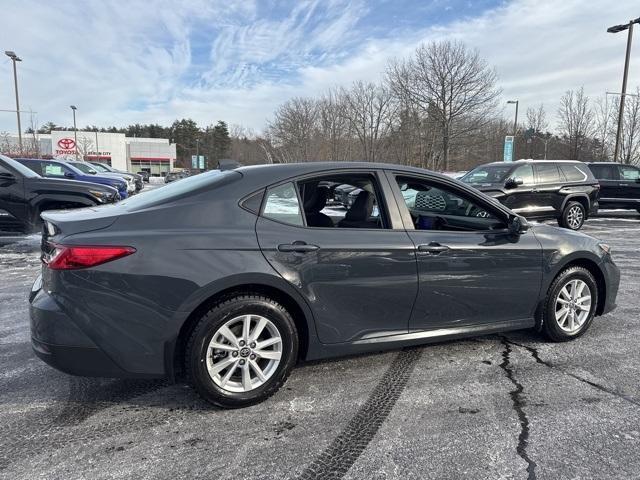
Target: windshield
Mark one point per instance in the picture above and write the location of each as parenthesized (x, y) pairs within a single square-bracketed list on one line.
[(488, 174), (172, 191), (83, 167), (21, 169)]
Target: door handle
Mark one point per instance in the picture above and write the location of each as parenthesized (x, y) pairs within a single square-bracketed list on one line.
[(622, 184), (297, 247), (432, 248)]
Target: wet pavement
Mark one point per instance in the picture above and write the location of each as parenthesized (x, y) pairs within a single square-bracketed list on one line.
[(500, 406)]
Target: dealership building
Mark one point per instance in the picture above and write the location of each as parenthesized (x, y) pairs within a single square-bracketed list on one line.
[(154, 155)]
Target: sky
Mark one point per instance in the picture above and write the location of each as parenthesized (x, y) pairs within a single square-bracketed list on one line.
[(123, 62)]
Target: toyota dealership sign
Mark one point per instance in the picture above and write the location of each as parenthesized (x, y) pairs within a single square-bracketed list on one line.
[(66, 146)]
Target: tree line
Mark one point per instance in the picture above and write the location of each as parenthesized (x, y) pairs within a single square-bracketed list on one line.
[(441, 109)]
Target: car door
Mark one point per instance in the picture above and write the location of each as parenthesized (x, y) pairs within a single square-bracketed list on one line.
[(472, 270), (629, 184), (519, 187), (608, 178), (549, 183), (359, 281)]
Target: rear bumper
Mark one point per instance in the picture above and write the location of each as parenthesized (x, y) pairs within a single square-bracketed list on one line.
[(84, 361), (60, 343)]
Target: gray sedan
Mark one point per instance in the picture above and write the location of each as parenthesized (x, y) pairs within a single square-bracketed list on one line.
[(229, 278)]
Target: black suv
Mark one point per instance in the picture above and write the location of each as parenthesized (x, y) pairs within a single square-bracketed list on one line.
[(541, 189), (619, 185), (24, 194)]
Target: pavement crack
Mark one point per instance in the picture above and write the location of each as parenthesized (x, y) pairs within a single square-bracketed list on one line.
[(336, 460), (534, 353), (517, 398)]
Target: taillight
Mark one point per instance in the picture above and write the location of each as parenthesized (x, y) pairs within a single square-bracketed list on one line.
[(71, 257)]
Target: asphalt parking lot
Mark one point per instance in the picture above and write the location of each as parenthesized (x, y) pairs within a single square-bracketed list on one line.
[(510, 406)]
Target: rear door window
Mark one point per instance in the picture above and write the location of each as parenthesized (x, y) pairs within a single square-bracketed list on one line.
[(629, 173), (548, 173), (605, 172), (282, 205)]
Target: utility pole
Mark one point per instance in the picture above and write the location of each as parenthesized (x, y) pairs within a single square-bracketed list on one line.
[(616, 29), (14, 58), (75, 130)]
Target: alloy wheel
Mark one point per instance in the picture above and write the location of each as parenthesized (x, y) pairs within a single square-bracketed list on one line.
[(244, 353), (573, 305), (575, 217)]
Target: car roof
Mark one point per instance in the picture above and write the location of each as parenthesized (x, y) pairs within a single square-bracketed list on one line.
[(286, 170), (525, 161)]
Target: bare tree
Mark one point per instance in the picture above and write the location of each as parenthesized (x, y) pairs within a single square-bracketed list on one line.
[(334, 129), (576, 121), (537, 119), (630, 142), (293, 129), (368, 109), (451, 84), (605, 115), (84, 146)]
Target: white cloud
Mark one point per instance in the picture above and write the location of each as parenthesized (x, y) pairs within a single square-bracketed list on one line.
[(137, 62)]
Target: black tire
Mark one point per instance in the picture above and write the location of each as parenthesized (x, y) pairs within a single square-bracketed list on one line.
[(550, 325), (573, 216), (197, 348)]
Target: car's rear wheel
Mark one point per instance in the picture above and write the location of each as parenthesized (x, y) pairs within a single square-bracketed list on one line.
[(570, 304), (573, 216), (241, 351)]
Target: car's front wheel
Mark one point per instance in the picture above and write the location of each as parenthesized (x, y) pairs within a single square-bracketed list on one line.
[(573, 216), (570, 304), (241, 351)]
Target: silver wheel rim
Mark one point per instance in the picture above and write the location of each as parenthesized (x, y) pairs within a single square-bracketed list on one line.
[(575, 217), (573, 305), (244, 353)]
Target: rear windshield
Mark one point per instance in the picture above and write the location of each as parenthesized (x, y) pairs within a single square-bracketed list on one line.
[(173, 191), (488, 174)]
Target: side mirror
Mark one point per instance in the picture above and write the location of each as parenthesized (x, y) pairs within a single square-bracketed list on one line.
[(518, 225), (69, 175), (513, 182)]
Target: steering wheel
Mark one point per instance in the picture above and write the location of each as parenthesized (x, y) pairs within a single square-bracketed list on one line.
[(473, 211)]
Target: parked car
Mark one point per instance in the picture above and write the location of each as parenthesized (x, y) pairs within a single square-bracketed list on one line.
[(341, 194), (144, 175), (62, 169), (619, 185), (89, 169), (234, 298), (541, 189), (173, 176), (133, 177), (25, 195)]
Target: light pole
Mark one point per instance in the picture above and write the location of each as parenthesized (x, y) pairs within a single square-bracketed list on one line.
[(515, 125), (616, 29), (75, 130), (14, 58)]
